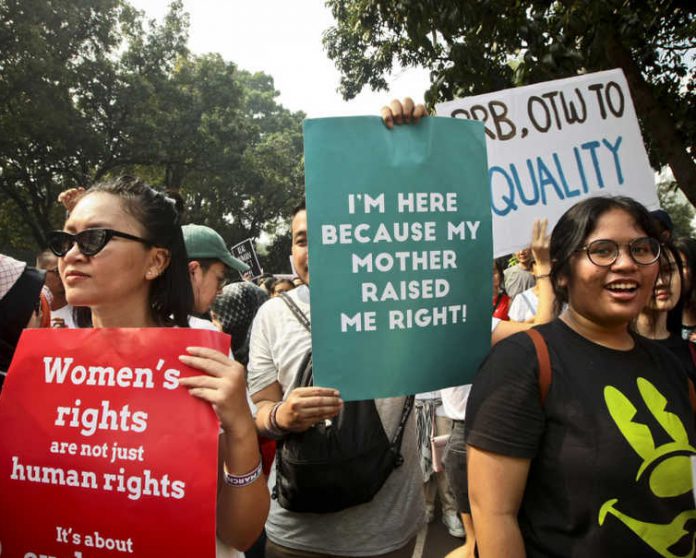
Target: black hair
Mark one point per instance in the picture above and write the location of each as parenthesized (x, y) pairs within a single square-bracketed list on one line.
[(499, 265), (280, 282), (16, 308), (687, 246), (302, 206), (171, 294), (674, 316), (499, 268), (268, 283), (576, 224), (205, 263)]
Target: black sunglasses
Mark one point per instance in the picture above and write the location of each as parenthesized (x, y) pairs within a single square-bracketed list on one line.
[(89, 241)]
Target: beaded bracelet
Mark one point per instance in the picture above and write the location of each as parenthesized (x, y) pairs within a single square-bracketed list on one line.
[(274, 429), (543, 276), (240, 481)]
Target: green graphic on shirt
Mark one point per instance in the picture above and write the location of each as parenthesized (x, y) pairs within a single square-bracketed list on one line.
[(668, 466)]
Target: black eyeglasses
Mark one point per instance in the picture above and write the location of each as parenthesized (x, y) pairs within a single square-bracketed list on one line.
[(604, 252), (89, 241)]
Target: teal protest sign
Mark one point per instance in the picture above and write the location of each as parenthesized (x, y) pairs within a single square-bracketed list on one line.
[(400, 254)]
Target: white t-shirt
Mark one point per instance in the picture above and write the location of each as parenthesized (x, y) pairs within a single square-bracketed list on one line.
[(524, 306), (277, 347)]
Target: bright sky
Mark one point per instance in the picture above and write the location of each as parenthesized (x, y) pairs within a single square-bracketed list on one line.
[(282, 38)]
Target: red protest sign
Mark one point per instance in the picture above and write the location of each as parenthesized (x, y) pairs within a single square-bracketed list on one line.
[(101, 453)]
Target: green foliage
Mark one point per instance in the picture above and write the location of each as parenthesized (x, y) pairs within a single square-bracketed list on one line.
[(276, 258), (478, 47), (90, 90), (679, 209)]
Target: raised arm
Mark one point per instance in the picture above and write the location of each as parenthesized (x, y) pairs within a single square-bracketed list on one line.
[(541, 242), (545, 309)]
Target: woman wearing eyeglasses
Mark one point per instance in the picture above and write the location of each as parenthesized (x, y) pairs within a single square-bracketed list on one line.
[(600, 467), (122, 255)]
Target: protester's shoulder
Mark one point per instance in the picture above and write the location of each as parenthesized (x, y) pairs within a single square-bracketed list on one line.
[(270, 310), (516, 344), (513, 356), (663, 355), (300, 294)]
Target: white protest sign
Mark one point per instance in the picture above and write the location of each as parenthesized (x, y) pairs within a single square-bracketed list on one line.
[(554, 143)]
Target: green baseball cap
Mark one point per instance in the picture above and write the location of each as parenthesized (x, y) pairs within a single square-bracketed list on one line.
[(204, 243)]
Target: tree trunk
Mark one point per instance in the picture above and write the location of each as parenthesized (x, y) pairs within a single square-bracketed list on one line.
[(25, 212), (654, 117)]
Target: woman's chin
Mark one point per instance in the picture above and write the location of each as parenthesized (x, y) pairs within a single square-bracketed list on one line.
[(76, 298)]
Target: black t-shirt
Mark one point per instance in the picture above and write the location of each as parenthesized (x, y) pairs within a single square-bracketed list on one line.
[(680, 348), (610, 472)]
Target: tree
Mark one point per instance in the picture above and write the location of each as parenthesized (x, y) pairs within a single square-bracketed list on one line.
[(479, 47), (250, 172), (92, 91), (678, 208), (276, 257), (74, 101)]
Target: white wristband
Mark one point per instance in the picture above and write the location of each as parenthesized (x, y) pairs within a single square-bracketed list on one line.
[(240, 481)]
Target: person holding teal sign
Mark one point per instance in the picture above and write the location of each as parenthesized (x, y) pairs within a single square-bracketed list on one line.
[(400, 227), (384, 526)]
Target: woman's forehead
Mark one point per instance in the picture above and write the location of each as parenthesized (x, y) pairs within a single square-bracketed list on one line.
[(100, 209), (616, 224)]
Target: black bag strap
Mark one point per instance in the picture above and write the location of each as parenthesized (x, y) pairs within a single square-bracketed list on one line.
[(395, 446), (306, 379), (305, 375), (297, 312)]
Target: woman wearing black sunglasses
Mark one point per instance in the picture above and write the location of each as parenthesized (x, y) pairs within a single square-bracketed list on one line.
[(599, 466), (122, 255)]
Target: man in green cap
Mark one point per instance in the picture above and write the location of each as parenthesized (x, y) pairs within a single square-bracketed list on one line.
[(209, 261)]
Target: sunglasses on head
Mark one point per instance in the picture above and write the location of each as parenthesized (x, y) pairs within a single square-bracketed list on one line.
[(89, 241)]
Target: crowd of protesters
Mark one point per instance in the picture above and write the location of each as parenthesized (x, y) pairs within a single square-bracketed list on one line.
[(573, 440)]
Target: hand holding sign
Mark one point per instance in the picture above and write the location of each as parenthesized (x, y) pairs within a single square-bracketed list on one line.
[(399, 112), (395, 218), (224, 386), (93, 419), (306, 406)]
